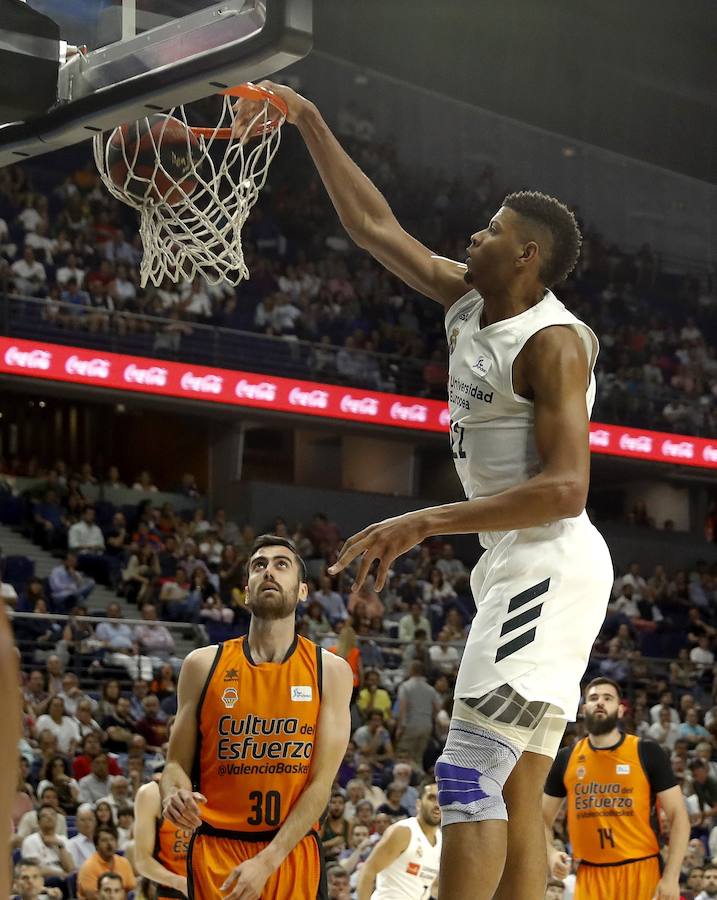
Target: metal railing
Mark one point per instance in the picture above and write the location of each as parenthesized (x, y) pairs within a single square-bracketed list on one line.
[(33, 318)]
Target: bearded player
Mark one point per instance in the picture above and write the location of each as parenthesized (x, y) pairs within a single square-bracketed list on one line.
[(611, 782), (521, 389), (262, 726)]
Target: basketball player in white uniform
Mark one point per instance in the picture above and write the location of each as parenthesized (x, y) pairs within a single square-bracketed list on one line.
[(404, 863), (521, 392)]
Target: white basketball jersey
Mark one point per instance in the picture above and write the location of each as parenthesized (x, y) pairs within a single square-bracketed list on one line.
[(411, 875), (492, 428)]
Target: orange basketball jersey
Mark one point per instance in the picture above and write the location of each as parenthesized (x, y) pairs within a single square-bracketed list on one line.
[(257, 727), (171, 846), (610, 804)]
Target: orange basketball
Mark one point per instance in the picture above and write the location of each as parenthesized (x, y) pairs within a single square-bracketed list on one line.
[(154, 158)]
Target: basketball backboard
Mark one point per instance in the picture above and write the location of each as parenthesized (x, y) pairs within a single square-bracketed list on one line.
[(148, 55)]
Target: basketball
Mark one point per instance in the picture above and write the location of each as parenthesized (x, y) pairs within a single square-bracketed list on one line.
[(154, 158)]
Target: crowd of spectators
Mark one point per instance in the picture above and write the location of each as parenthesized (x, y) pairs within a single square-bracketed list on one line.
[(65, 239), (99, 693)]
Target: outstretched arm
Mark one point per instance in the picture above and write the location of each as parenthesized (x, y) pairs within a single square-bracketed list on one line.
[(558, 380), (364, 212)]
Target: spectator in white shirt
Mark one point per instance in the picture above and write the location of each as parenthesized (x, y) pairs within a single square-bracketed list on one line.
[(70, 270), (195, 300), (85, 538), (155, 640), (61, 725), (444, 658), (95, 786), (32, 215), (284, 316), (665, 703), (48, 847), (43, 246), (701, 654), (665, 732), (82, 845), (626, 603), (29, 275)]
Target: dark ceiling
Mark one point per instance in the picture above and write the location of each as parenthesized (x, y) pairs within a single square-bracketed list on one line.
[(633, 76)]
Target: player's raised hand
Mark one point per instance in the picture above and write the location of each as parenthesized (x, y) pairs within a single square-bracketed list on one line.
[(182, 808), (381, 543), (246, 110), (559, 864), (667, 889), (246, 881)]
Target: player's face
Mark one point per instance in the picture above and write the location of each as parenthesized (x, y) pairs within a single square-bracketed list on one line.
[(602, 709), (275, 585), (493, 251), (428, 808)]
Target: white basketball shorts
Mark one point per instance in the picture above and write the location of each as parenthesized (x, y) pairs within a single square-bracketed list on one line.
[(541, 595)]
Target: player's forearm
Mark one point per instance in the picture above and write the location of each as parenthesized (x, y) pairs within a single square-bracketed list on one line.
[(305, 813), (174, 778), (549, 846), (148, 866), (366, 882), (539, 500), (356, 199), (679, 838)]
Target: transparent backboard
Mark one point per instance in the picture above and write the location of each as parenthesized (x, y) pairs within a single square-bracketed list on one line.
[(148, 55)]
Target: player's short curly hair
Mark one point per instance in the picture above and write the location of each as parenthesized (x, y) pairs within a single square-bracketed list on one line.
[(550, 213)]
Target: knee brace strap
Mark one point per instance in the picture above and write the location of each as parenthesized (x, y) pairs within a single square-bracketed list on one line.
[(472, 772)]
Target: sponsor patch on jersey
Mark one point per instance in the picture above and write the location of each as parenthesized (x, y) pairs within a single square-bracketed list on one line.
[(231, 675), (622, 769), (452, 340), (413, 868), (302, 693), (230, 697), (580, 771), (482, 364)]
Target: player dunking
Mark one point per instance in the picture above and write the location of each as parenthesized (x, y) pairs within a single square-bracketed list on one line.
[(262, 726), (521, 391), (611, 781)]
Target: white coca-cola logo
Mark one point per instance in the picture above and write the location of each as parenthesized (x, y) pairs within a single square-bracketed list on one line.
[(640, 444), (32, 359), (359, 406), (600, 438), (679, 449), (154, 375), (445, 418), (202, 384), (262, 390), (316, 399), (88, 368), (414, 413), (709, 454)]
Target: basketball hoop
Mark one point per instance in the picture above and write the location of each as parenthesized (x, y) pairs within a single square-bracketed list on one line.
[(191, 220)]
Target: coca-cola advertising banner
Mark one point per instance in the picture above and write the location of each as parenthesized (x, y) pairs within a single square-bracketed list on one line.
[(249, 389)]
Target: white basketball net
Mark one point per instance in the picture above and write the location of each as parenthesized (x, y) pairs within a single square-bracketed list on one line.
[(199, 233)]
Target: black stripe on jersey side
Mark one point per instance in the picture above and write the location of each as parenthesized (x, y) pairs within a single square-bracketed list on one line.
[(319, 670), (190, 867), (654, 816), (198, 749), (516, 644), (521, 619), (528, 594), (323, 888)]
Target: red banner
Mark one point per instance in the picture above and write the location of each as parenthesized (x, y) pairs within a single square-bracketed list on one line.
[(249, 389)]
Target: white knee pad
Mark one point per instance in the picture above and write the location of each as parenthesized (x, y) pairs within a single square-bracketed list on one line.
[(471, 773)]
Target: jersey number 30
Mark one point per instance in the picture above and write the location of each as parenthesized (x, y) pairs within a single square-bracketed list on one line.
[(266, 808)]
